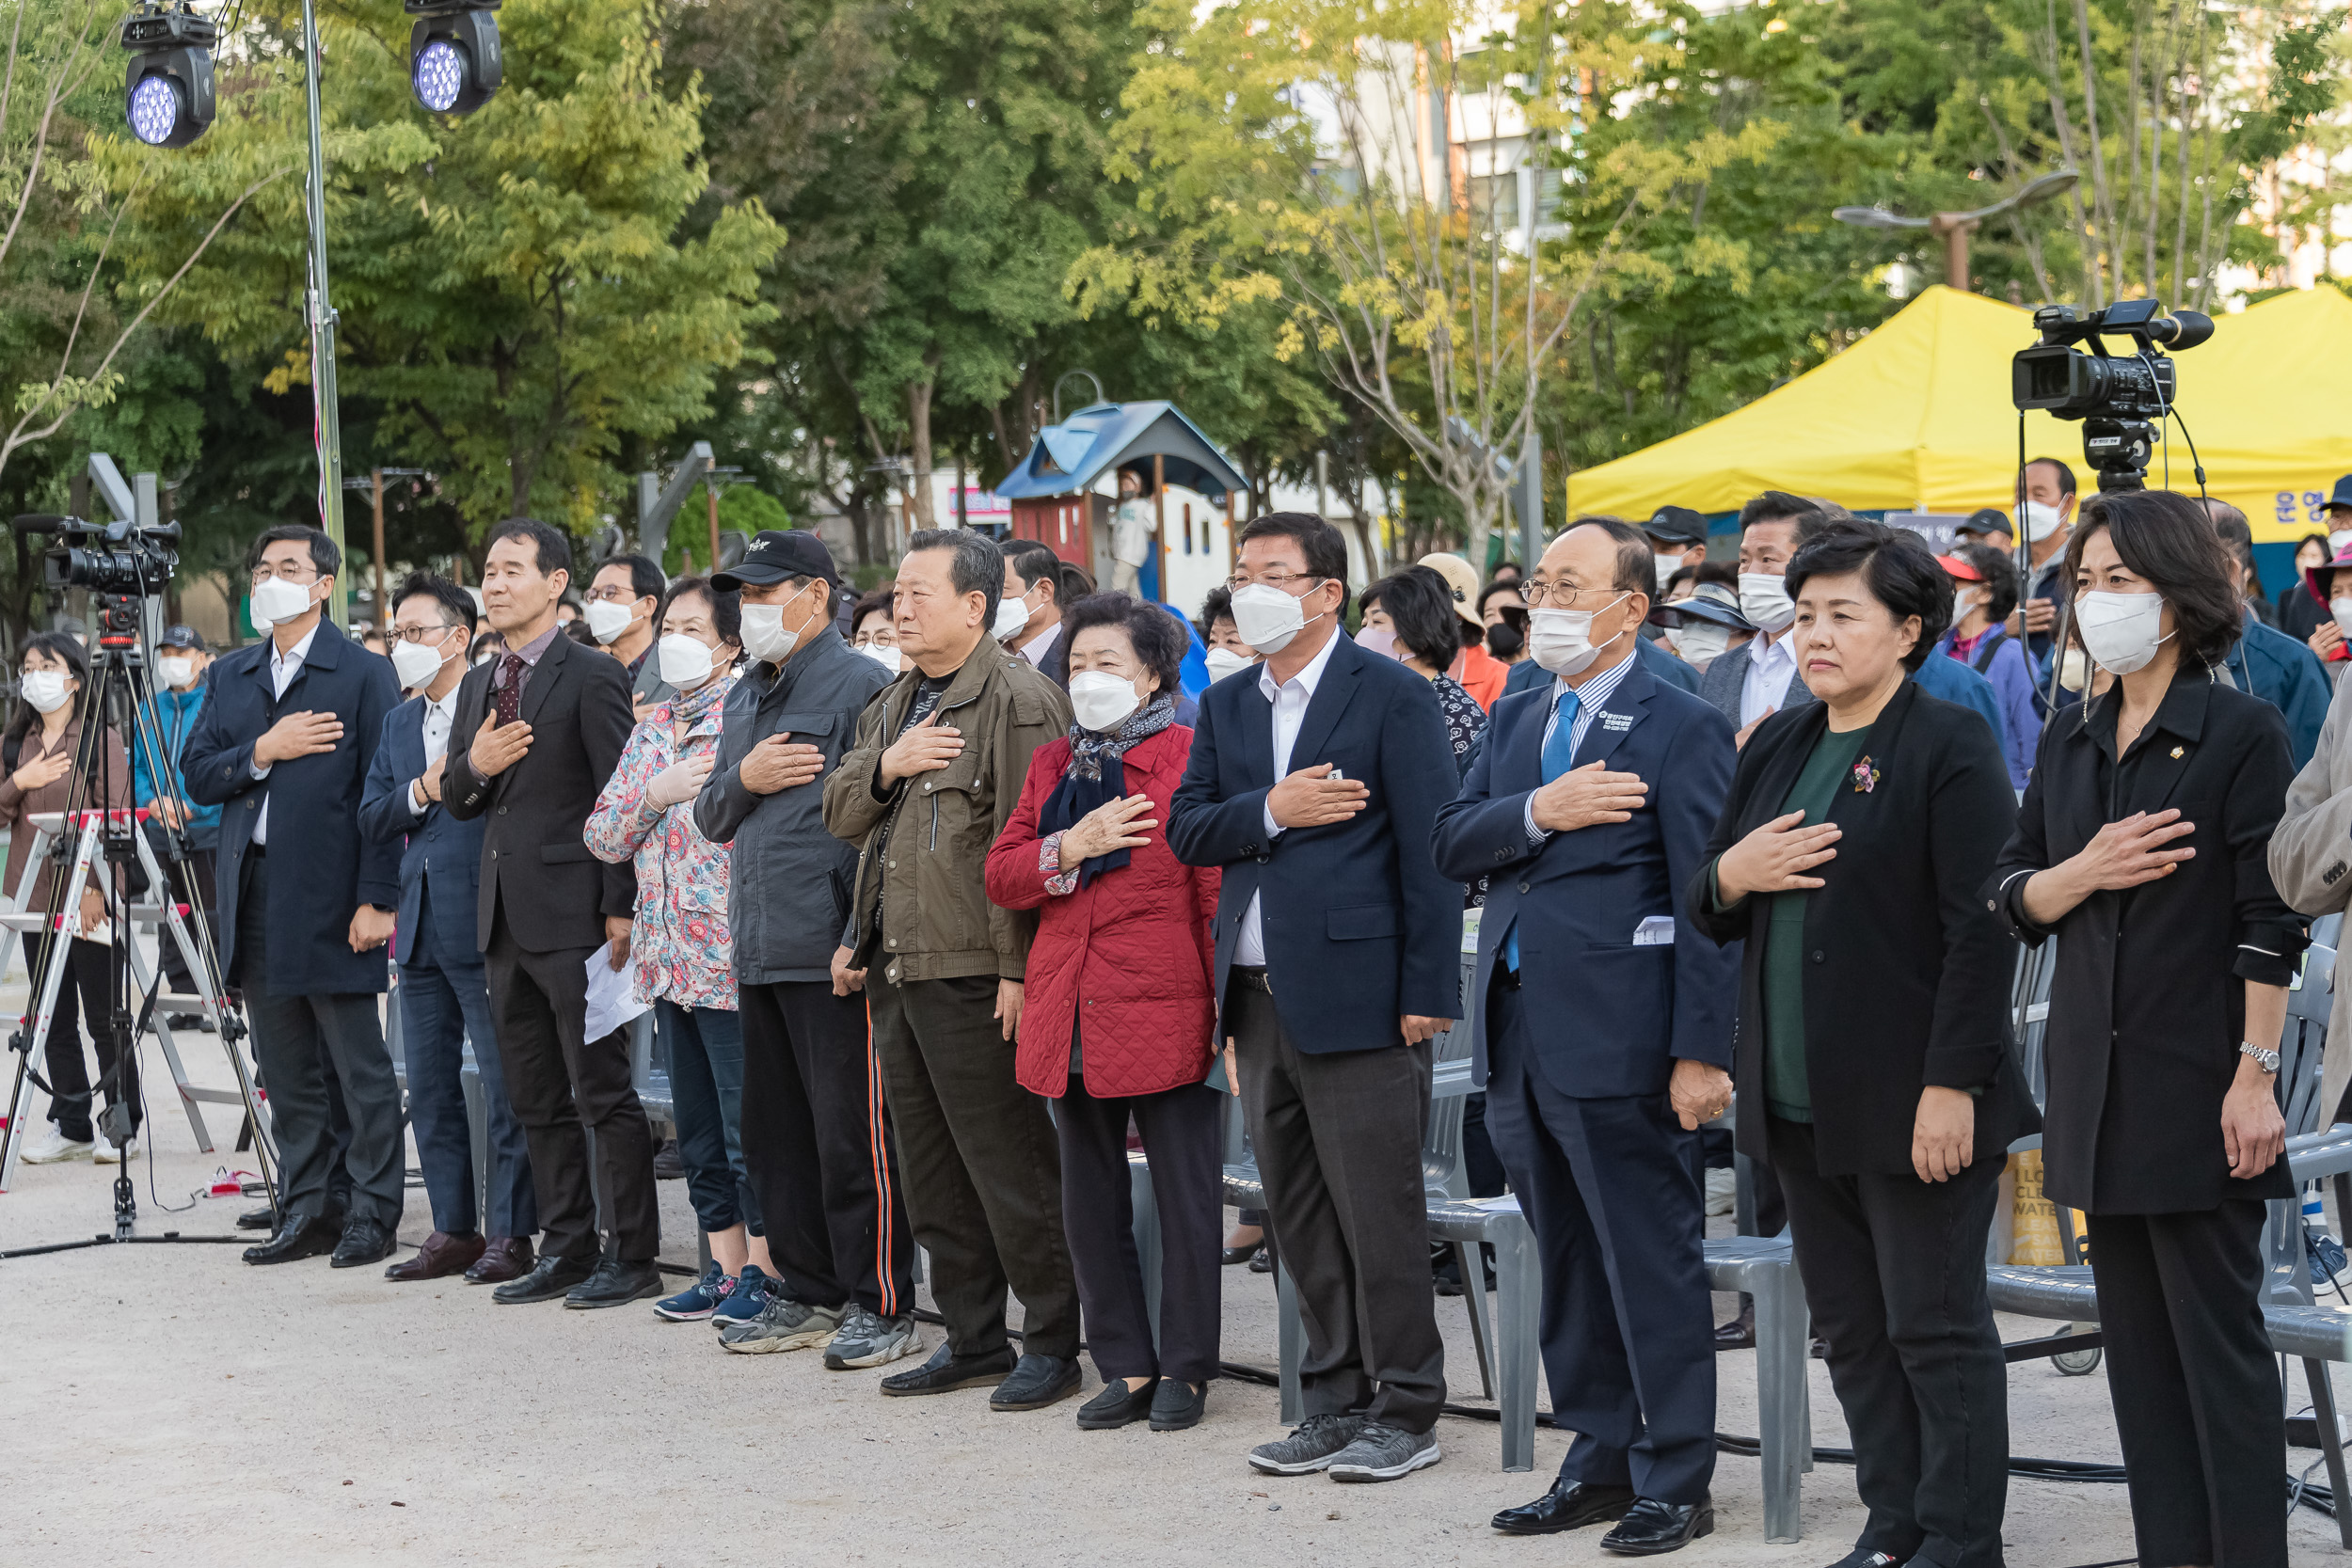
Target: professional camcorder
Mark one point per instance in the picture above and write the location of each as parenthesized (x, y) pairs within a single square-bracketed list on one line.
[(105, 557), (2119, 397)]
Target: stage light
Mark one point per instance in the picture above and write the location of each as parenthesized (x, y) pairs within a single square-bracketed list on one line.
[(454, 59), (167, 90)]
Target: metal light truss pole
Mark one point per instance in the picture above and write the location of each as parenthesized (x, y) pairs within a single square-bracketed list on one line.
[(330, 431)]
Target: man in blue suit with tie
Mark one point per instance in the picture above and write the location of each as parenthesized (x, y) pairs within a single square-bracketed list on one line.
[(444, 999), (1605, 1043), (1314, 782)]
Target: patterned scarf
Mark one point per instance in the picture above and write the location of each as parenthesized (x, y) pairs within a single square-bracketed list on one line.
[(1096, 777), (690, 708), (1090, 750)]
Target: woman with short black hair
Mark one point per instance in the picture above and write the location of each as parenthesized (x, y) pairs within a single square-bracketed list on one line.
[(1873, 1063), (1416, 605), (2143, 846)]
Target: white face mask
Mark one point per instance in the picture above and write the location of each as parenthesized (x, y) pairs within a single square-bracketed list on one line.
[(43, 688), (764, 636), (274, 599), (1562, 639), (1268, 618), (1667, 567), (175, 673), (2041, 520), (1099, 700), (1225, 661), (1764, 600), (2341, 610), (414, 665), (1703, 641), (2338, 542), (1012, 617), (1959, 606), (2119, 629), (884, 655), (1378, 640), (606, 619), (686, 661)]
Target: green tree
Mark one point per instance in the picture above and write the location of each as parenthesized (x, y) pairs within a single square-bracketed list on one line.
[(515, 299)]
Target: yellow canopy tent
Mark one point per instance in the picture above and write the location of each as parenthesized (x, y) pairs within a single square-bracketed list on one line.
[(1917, 415)]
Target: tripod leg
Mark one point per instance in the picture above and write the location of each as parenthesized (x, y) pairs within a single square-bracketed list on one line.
[(151, 988), (36, 1036)]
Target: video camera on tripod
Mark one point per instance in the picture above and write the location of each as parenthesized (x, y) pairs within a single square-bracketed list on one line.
[(2121, 398)]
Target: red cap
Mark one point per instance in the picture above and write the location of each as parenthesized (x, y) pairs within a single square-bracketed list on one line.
[(1960, 568)]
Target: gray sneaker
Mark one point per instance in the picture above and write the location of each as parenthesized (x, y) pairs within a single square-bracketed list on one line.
[(869, 1339), (1309, 1447), (1383, 1453), (783, 1324)]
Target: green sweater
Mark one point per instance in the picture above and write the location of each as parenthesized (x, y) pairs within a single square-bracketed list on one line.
[(1787, 1089)]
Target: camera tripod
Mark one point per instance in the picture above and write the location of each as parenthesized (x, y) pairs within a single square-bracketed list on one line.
[(118, 700)]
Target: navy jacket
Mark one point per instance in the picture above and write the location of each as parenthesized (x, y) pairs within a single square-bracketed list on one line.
[(2288, 675), (439, 854), (1528, 676), (175, 712), (1360, 929), (1612, 1017), (326, 869)]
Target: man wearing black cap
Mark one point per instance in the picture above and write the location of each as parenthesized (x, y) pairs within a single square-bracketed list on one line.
[(1678, 538), (181, 656), (816, 1143), (1987, 525)]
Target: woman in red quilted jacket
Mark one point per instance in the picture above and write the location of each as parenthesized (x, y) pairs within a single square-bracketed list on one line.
[(1118, 1018)]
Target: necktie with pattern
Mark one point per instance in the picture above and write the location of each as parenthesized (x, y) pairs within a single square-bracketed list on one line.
[(509, 696)]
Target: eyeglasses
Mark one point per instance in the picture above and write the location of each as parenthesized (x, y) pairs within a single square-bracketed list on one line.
[(290, 572), (1560, 596), (420, 634), (1272, 580), (613, 595)]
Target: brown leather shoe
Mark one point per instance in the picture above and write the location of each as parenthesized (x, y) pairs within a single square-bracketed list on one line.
[(443, 1253), (504, 1258)]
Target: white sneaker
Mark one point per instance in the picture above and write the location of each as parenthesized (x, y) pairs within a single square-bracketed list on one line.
[(1722, 1188), (50, 1147), (104, 1154)]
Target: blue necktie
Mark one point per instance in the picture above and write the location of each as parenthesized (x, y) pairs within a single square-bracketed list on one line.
[(1559, 756)]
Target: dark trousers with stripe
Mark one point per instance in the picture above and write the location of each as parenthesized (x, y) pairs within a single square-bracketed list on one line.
[(818, 1149)]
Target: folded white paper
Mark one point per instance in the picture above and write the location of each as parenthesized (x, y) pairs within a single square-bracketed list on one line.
[(612, 994)]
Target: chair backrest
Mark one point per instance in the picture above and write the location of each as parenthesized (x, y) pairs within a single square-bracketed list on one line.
[(2300, 1045), (2029, 1013), (1441, 1164)]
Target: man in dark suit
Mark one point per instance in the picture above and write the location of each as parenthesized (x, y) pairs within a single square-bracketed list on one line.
[(1033, 589), (282, 745), (1314, 782), (1759, 677), (538, 732), (1605, 1043), (444, 999), (1527, 675)]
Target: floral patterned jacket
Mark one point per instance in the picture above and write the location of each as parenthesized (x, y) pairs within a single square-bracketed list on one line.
[(680, 941)]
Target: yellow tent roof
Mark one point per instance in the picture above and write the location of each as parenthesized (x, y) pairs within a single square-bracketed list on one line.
[(1917, 415)]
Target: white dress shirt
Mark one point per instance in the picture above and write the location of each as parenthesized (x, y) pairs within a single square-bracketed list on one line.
[(439, 716), (1036, 647), (1771, 665), (283, 668), (1289, 700)]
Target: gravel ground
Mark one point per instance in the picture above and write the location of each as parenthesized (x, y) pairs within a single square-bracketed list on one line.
[(170, 1402)]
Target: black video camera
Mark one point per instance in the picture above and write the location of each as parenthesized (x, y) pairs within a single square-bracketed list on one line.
[(105, 558), (2119, 397)]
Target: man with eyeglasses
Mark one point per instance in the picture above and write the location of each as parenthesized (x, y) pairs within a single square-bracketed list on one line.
[(444, 996), (1316, 787), (622, 604), (283, 745)]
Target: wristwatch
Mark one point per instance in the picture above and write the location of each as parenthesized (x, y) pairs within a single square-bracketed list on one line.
[(2266, 1060)]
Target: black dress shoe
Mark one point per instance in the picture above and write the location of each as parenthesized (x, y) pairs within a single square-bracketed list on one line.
[(1117, 1405), (263, 1218), (1569, 1505), (301, 1236), (1650, 1527), (615, 1283), (1233, 1254), (1177, 1405), (364, 1241), (1037, 1381), (551, 1276), (1263, 1262), (946, 1372), (1738, 1334)]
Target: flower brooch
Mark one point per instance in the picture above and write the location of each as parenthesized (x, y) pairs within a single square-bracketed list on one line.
[(1865, 777)]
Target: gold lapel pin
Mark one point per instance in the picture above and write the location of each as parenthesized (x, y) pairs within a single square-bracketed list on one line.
[(2176, 753)]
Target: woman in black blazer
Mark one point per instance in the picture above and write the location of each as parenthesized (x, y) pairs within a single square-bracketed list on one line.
[(2142, 846), (1873, 1061)]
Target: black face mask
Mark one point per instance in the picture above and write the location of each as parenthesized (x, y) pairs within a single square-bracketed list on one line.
[(1504, 641)]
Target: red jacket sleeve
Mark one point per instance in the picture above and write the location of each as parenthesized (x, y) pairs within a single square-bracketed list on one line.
[(1014, 883)]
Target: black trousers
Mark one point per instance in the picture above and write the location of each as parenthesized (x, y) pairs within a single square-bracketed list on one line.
[(1894, 1275), (2195, 1389), (563, 1085), (319, 1053), (194, 885), (981, 1163), (818, 1151), (1184, 1139), (83, 991), (1338, 1139)]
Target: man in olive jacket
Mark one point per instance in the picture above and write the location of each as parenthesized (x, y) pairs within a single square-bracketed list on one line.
[(937, 767)]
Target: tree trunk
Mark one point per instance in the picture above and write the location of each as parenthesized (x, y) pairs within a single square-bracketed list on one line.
[(919, 439)]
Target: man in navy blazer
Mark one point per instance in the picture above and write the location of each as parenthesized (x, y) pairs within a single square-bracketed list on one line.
[(1314, 782), (1526, 675), (1605, 1043), (444, 996), (283, 747)]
